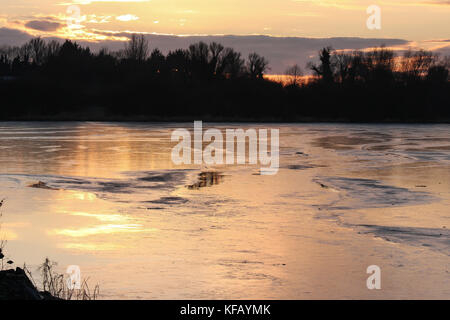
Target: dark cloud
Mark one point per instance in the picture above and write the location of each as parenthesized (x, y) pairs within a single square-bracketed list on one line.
[(13, 37), (43, 25)]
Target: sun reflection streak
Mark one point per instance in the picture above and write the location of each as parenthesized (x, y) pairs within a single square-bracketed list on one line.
[(93, 246), (101, 217), (101, 229), (118, 224)]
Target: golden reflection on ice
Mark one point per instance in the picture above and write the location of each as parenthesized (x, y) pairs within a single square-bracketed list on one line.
[(86, 196), (93, 246), (101, 217), (102, 229), (120, 226)]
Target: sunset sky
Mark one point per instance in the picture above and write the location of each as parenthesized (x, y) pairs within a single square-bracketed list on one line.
[(425, 23), (406, 19)]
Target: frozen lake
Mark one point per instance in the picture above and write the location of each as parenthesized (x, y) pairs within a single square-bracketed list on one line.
[(346, 196)]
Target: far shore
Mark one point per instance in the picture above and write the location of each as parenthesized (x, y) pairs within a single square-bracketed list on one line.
[(186, 119)]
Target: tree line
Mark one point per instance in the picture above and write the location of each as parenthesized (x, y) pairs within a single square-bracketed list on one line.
[(48, 80), (199, 61), (380, 66)]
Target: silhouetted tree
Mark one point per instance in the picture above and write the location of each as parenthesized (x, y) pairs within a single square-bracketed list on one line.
[(137, 48), (343, 65), (415, 65), (325, 69), (53, 48), (177, 61), (38, 50), (71, 63), (294, 74), (215, 50), (257, 65), (380, 63), (231, 64), (156, 61), (199, 56)]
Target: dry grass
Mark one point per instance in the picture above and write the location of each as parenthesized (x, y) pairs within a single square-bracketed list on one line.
[(56, 284)]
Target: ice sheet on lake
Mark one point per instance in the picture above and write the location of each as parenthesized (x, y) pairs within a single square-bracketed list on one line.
[(368, 193)]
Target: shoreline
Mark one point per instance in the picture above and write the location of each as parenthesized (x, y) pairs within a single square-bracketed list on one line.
[(240, 120)]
